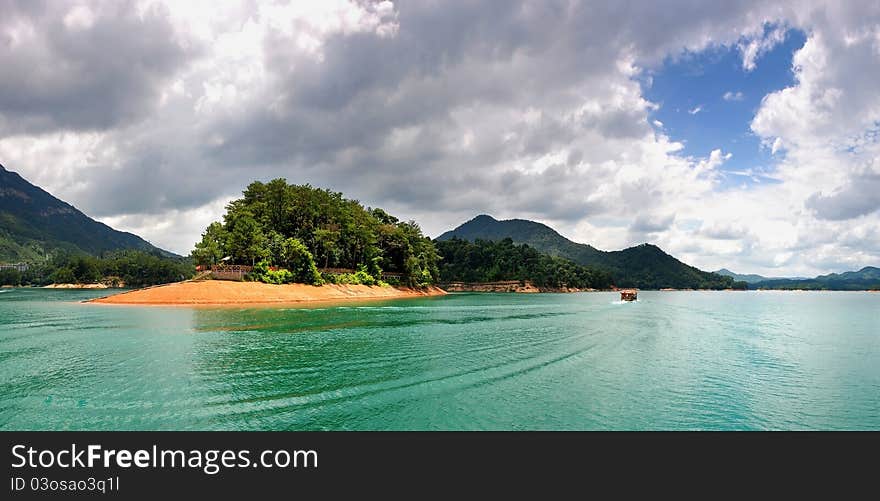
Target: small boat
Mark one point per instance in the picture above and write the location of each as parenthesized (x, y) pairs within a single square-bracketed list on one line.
[(629, 295)]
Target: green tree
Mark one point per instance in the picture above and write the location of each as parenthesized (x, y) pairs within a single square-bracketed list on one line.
[(211, 248), (246, 243), (326, 242), (10, 277), (63, 276), (86, 269), (297, 258)]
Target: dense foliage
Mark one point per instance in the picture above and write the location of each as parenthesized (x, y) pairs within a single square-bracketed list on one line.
[(491, 261), (130, 268), (299, 228), (645, 266)]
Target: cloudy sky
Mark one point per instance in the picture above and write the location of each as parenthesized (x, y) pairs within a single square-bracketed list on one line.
[(743, 134)]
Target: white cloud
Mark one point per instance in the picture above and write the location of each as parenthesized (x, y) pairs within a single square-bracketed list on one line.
[(716, 158), (777, 146), (753, 48), (733, 96), (441, 111), (173, 229)]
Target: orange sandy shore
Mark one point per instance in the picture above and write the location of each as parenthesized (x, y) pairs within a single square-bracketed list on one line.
[(218, 292)]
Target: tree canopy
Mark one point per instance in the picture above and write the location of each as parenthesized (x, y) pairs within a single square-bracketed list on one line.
[(133, 268), (490, 261), (299, 228)]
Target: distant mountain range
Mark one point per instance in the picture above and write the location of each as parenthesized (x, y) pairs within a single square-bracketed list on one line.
[(33, 223), (868, 278), (645, 266), (752, 278)]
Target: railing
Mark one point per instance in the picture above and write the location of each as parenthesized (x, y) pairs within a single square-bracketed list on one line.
[(237, 272), (497, 286), (336, 271), (230, 271), (386, 275), (496, 283)]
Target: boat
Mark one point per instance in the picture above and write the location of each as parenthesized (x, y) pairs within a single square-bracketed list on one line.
[(629, 295)]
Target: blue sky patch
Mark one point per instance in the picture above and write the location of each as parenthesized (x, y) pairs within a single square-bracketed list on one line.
[(708, 100)]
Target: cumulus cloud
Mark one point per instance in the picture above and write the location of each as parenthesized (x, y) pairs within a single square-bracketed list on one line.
[(715, 159), (82, 67), (149, 112), (858, 197), (723, 231), (651, 223)]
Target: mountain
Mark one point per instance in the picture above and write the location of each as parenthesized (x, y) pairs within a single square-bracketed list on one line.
[(645, 266), (752, 278), (864, 279), (33, 223)]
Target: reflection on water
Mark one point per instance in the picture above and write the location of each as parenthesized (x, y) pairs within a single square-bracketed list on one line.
[(684, 360)]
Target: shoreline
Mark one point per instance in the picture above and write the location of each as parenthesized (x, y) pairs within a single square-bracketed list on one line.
[(76, 286), (228, 293)]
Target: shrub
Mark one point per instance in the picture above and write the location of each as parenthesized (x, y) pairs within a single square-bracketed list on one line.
[(425, 279), (278, 277), (345, 279), (391, 281), (362, 277), (259, 272), (262, 273)]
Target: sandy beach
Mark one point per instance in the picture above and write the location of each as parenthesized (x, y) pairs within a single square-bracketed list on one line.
[(218, 292)]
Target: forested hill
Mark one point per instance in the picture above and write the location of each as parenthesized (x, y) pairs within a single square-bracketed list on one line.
[(645, 266), (497, 260), (522, 231), (288, 231), (34, 223)]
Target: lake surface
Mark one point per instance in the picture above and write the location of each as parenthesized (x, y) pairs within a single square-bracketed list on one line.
[(671, 361)]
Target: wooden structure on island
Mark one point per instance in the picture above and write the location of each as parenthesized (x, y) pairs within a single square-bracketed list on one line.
[(388, 276), (238, 272), (229, 271), (19, 267)]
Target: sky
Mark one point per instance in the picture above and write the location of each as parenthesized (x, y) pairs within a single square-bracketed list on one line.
[(741, 134)]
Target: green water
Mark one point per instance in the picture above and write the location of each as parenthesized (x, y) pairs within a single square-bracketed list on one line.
[(673, 360)]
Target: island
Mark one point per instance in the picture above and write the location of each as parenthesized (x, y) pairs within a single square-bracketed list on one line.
[(284, 243)]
